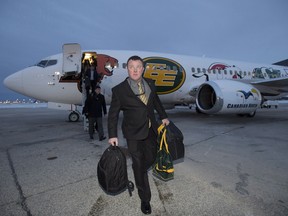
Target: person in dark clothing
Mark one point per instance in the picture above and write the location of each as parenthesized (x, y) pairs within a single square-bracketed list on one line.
[(95, 107), (86, 77), (137, 98), (93, 76)]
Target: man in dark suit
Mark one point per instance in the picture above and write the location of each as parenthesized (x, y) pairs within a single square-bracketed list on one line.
[(95, 106), (136, 97)]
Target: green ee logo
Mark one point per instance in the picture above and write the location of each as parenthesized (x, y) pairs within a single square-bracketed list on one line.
[(169, 75)]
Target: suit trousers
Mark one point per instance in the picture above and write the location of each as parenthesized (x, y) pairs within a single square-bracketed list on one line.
[(92, 122), (143, 154)]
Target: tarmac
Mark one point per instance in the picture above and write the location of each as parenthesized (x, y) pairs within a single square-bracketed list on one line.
[(233, 166)]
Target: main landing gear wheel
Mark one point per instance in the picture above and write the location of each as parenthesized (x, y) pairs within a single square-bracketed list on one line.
[(250, 115), (197, 110), (74, 116)]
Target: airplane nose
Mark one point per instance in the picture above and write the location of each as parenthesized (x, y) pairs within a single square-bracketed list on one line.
[(14, 82)]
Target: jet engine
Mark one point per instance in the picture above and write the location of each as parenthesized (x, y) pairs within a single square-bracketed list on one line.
[(227, 96)]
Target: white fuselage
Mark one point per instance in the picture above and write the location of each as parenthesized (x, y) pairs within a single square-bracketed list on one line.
[(178, 76)]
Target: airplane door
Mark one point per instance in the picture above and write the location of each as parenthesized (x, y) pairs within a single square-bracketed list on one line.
[(71, 59)]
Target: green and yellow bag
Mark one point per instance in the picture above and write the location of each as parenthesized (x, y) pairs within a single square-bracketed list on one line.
[(163, 168)]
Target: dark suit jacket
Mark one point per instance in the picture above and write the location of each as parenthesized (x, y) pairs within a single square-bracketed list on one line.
[(94, 105), (88, 73), (136, 114)]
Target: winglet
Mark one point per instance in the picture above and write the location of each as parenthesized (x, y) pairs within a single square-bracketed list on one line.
[(282, 63)]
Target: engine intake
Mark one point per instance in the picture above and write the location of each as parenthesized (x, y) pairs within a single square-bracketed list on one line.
[(227, 96)]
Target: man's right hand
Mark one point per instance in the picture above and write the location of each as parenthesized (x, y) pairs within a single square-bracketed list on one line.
[(113, 141)]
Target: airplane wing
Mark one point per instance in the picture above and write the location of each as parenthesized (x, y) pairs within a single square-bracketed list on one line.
[(272, 87)]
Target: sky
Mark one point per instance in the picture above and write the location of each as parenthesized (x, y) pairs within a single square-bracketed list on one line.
[(247, 30)]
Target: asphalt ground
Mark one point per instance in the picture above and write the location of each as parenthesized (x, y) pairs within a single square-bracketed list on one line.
[(234, 166)]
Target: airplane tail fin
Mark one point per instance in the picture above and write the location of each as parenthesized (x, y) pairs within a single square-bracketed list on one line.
[(282, 63)]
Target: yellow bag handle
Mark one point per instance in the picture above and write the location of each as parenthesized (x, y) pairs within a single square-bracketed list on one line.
[(160, 128), (163, 138)]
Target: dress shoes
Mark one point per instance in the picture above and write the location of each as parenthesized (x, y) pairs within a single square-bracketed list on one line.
[(145, 207), (102, 138)]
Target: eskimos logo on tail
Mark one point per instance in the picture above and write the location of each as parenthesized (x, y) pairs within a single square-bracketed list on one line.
[(169, 75)]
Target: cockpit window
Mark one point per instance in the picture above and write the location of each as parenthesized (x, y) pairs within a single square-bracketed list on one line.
[(46, 63), (51, 62), (42, 63)]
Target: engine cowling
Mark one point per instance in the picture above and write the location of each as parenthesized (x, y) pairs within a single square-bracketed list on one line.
[(227, 96)]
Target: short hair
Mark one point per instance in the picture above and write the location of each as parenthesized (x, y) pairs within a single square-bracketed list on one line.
[(135, 58)]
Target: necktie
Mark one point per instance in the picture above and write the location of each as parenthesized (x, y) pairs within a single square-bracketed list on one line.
[(142, 95)]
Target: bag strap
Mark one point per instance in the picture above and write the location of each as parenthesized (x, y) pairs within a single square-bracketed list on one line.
[(160, 128), (164, 140), (130, 187)]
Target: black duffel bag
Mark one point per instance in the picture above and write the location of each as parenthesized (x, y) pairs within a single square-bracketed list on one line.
[(175, 139)]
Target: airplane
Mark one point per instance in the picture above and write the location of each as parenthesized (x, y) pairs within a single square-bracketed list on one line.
[(214, 86)]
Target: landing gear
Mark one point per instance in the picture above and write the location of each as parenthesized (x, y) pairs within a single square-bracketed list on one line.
[(197, 110), (250, 115), (74, 116)]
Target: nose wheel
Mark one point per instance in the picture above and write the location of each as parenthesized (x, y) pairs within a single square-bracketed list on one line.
[(74, 116)]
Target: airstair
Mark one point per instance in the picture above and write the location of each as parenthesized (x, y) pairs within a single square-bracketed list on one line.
[(75, 64), (72, 66)]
